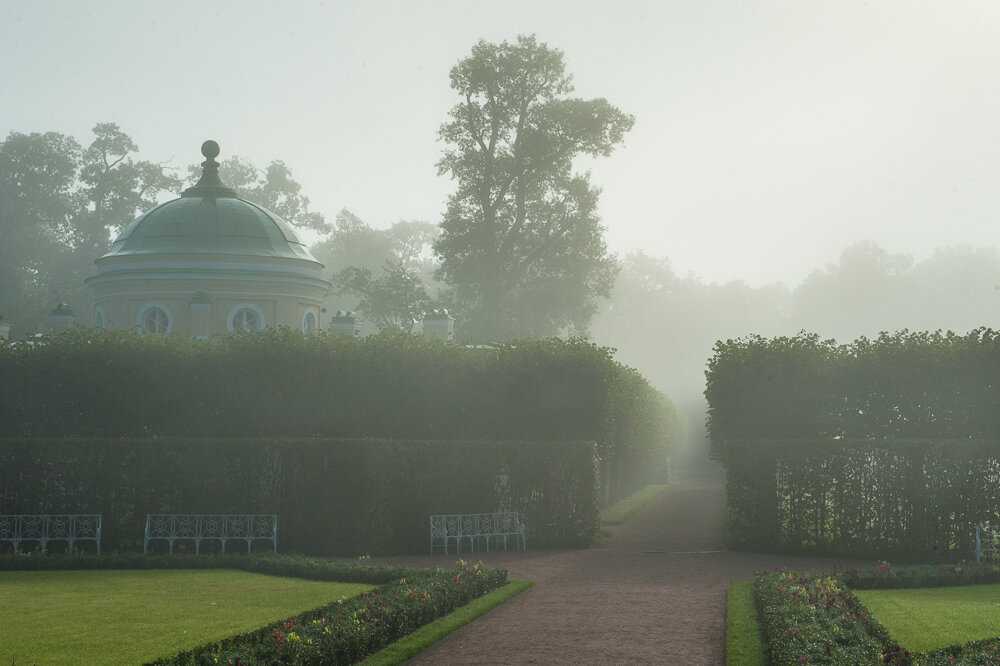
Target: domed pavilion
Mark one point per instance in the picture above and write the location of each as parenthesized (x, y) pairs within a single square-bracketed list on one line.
[(208, 262)]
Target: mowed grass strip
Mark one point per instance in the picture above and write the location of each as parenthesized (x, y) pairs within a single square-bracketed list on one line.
[(429, 634), (624, 510), (744, 646), (129, 616), (925, 619)]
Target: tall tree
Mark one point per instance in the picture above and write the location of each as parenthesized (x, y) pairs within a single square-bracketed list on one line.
[(37, 202), (385, 271), (393, 300), (522, 246), (354, 242), (59, 207)]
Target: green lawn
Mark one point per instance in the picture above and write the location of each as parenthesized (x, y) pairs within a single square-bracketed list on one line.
[(928, 618), (622, 511), (744, 646), (129, 616)]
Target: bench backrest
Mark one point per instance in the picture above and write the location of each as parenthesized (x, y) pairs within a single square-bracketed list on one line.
[(198, 525), (474, 524), (45, 527)]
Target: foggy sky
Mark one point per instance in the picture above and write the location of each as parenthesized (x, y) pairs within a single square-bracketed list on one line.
[(769, 135)]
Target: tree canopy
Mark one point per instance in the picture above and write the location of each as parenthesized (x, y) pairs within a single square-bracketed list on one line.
[(522, 247), (383, 273), (60, 204)]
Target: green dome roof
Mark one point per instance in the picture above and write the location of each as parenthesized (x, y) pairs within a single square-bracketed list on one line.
[(210, 218)]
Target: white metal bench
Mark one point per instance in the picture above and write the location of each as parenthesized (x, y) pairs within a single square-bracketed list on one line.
[(43, 528), (211, 527), (476, 527), (987, 539)]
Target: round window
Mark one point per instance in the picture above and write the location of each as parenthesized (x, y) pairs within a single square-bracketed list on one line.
[(246, 320), (246, 317), (309, 322), (155, 319)]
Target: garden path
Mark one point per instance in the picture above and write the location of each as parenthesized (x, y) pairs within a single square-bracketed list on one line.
[(653, 593)]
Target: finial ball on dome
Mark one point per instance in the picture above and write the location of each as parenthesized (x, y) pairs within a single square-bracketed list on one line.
[(210, 149)]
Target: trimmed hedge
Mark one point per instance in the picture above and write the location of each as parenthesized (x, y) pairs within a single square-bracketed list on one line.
[(343, 497), (907, 500), (272, 564), (900, 386), (888, 577), (812, 617), (120, 384), (877, 447)]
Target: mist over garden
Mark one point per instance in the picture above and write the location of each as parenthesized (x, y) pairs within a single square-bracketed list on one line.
[(197, 345)]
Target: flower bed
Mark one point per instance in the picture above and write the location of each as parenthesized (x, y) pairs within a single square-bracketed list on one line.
[(339, 633), (813, 617), (347, 631), (887, 577)]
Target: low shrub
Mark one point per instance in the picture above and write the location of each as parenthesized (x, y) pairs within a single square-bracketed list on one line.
[(813, 618), (886, 577), (295, 566), (977, 652), (347, 631)]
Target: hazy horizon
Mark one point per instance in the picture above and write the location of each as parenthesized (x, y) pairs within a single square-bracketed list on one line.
[(769, 136)]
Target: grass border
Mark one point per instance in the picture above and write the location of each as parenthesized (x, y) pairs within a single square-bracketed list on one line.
[(744, 646), (429, 634), (624, 510)]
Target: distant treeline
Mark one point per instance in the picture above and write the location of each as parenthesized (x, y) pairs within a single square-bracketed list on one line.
[(888, 446), (117, 384)]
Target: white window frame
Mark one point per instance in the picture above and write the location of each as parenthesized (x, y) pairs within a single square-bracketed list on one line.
[(160, 306), (315, 318), (245, 306)]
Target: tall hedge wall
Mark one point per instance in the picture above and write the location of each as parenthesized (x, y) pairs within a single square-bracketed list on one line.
[(280, 383), (906, 385), (876, 446), (915, 500), (341, 497)]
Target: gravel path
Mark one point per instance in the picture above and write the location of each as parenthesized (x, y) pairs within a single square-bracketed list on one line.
[(654, 593)]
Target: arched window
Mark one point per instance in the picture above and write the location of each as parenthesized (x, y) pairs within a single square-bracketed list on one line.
[(245, 317), (155, 318), (99, 318), (309, 321)]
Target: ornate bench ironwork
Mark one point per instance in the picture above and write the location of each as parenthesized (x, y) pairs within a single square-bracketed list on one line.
[(987, 539), (43, 528), (476, 527), (218, 527)]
